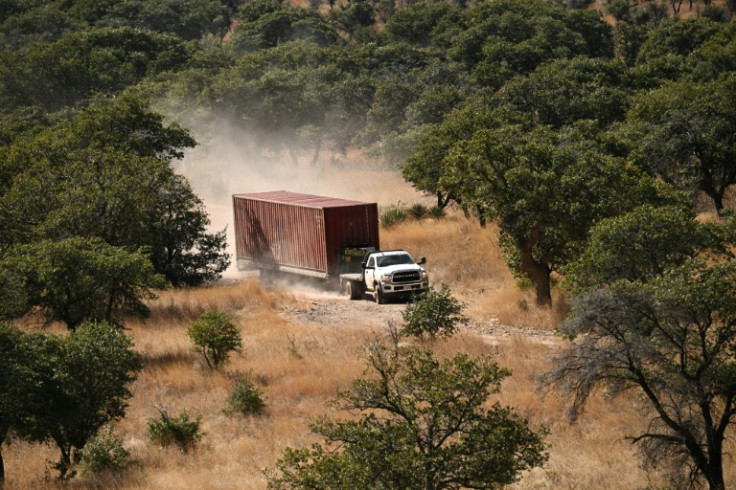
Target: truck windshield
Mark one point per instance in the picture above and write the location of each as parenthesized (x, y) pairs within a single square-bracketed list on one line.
[(397, 259)]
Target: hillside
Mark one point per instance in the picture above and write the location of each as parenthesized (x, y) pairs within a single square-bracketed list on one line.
[(581, 155), (301, 346)]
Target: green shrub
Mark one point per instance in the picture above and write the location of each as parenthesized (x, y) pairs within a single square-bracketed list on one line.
[(714, 13), (434, 313), (418, 211), (245, 398), (215, 336), (104, 452), (437, 212), (179, 431), (393, 215)]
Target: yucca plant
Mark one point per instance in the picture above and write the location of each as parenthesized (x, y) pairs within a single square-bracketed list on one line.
[(437, 212), (418, 211), (393, 215)]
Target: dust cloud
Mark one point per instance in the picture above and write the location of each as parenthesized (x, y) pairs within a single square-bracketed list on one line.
[(229, 161)]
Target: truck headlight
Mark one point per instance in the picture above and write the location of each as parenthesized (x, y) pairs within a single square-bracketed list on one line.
[(424, 274), (386, 278)]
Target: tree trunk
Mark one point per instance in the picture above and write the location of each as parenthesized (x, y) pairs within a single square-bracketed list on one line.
[(442, 200), (543, 289), (676, 6), (715, 481), (714, 190), (718, 201), (481, 216), (716, 197), (714, 471), (539, 273), (3, 434), (65, 462), (4, 430)]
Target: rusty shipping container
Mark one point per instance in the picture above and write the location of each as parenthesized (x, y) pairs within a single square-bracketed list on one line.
[(301, 233)]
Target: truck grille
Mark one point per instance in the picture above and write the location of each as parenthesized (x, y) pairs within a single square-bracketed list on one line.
[(408, 276)]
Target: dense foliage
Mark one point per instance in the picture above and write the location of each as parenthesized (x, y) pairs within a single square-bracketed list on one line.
[(104, 453), (76, 280), (105, 174), (244, 398), (180, 431), (80, 160)]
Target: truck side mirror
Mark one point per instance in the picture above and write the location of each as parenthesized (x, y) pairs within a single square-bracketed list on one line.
[(422, 261)]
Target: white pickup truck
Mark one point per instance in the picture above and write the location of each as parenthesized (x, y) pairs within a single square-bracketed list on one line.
[(387, 274)]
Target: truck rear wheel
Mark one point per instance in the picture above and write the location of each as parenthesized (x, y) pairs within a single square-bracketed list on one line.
[(353, 290)]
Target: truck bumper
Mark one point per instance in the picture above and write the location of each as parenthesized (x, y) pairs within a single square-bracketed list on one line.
[(404, 289)]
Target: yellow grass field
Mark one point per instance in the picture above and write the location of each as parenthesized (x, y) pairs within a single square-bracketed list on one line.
[(300, 366)]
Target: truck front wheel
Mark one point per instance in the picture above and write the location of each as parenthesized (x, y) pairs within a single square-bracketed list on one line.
[(353, 290), (380, 298)]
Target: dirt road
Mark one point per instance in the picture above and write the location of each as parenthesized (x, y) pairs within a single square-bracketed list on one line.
[(337, 311)]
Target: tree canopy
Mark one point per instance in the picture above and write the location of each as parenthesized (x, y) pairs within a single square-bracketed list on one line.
[(80, 65), (671, 340), (643, 244), (65, 388), (76, 280), (690, 138), (107, 174), (546, 192), (654, 313), (422, 423)]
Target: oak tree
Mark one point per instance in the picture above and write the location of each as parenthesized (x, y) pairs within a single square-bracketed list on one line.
[(545, 189), (655, 315), (671, 342), (65, 388), (76, 280), (691, 136), (422, 423)]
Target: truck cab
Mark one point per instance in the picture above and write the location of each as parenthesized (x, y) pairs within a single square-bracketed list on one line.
[(387, 274)]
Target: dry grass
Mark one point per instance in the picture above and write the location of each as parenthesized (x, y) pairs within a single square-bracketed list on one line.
[(465, 256), (299, 368)]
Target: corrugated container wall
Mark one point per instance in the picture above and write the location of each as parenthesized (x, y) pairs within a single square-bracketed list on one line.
[(290, 230)]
